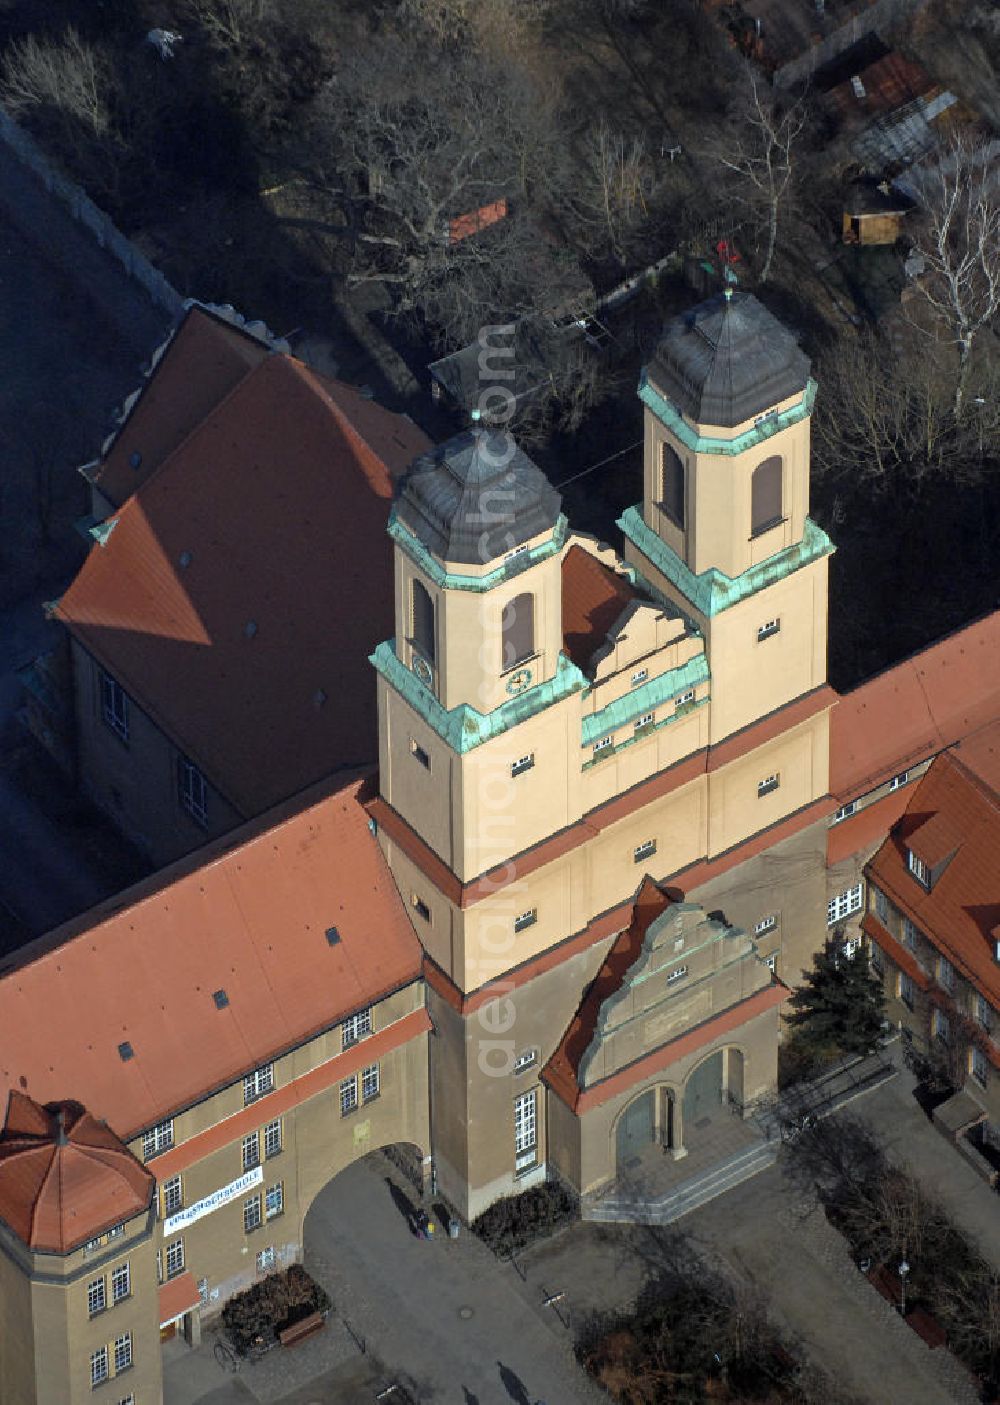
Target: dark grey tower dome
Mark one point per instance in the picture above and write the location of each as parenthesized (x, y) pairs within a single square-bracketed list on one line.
[(476, 497), (727, 360)]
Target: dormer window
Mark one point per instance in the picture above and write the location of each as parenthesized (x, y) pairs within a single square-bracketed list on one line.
[(918, 868)]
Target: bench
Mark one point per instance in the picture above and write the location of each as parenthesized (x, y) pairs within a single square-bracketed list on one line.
[(291, 1336)]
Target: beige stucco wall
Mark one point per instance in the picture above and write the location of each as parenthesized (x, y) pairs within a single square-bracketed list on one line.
[(135, 783)]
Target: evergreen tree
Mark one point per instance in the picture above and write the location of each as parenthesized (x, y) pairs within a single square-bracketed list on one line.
[(840, 1005)]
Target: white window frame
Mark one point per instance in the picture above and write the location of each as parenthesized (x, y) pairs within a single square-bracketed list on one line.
[(899, 780), (274, 1200), (910, 933), (845, 812), (173, 1196), (371, 1083), (419, 754), (845, 904), (645, 850), (852, 945), (527, 919), (99, 1366), (646, 720), (771, 961), (116, 1232), (766, 924), (174, 1258), (979, 1066), (605, 744), (918, 868), (677, 974), (522, 764), (983, 1012), (127, 1399), (526, 1129), (349, 1095), (265, 1259), (639, 676), (97, 1296), (122, 1273), (768, 630), (355, 1028), (250, 1150), (526, 1059), (684, 698), (253, 1215), (768, 785), (157, 1139), (258, 1084), (272, 1139), (114, 706), (123, 1352), (192, 790)]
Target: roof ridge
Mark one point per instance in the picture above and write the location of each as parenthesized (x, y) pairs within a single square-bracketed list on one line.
[(983, 786)]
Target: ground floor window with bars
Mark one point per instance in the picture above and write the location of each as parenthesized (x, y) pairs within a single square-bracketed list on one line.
[(844, 904), (526, 1130)]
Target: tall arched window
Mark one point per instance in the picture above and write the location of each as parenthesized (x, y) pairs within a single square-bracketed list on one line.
[(423, 620), (765, 496), (672, 486), (518, 630)]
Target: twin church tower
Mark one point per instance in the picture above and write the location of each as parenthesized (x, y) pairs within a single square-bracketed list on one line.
[(603, 779)]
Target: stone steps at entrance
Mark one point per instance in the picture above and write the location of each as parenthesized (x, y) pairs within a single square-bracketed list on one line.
[(635, 1207)]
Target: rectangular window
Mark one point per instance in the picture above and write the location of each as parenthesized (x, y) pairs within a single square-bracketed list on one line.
[(525, 1130), (677, 974), (121, 1283), (274, 1200), (251, 1151), (355, 1028), (946, 974), (96, 1297), (941, 1026), (766, 924), (683, 699), (771, 962), (173, 1198), (114, 706), (123, 1352), (899, 780), (907, 990), (369, 1083), (251, 1214), (845, 811), (639, 676), (881, 905), (191, 790), (348, 1095), (421, 908), (258, 1083), (646, 720), (644, 850), (98, 1365), (526, 1059), (158, 1138), (767, 630), (159, 1265), (203, 1292), (852, 945), (175, 1258), (767, 785), (272, 1138), (875, 959), (127, 1399), (265, 1259), (909, 934), (526, 919), (983, 1013), (116, 1232), (844, 904), (605, 744), (918, 868), (417, 751), (979, 1066), (524, 763)]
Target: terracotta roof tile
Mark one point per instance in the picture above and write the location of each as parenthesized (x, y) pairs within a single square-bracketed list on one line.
[(593, 597), (916, 709), (961, 912), (247, 915), (866, 828), (177, 1296), (64, 1177), (252, 655)]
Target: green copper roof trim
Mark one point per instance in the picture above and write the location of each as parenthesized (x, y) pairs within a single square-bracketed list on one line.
[(463, 728), (637, 737), (448, 580), (713, 591), (765, 427), (646, 698)]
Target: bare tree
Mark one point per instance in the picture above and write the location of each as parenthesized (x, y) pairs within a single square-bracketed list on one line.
[(66, 75), (758, 147), (230, 23), (960, 243)]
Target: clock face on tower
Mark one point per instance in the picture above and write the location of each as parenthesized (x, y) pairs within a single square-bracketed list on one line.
[(422, 669), (517, 682)]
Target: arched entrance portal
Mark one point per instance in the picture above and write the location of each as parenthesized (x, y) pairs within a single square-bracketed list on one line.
[(703, 1092), (636, 1128)]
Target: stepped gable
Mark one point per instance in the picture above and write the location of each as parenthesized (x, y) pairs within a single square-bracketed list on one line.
[(65, 1178)]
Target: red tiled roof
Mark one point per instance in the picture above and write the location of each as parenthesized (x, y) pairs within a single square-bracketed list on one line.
[(593, 597), (889, 83), (247, 915), (64, 1176), (961, 912), (205, 359), (866, 828), (916, 709), (177, 1296), (253, 656)]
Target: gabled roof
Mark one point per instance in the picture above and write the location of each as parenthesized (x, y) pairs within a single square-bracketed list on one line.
[(64, 1176), (120, 1006), (593, 598), (204, 360), (953, 816), (242, 587), (915, 709)]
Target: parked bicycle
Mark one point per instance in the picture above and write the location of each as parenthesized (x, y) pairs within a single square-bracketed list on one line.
[(231, 1359)]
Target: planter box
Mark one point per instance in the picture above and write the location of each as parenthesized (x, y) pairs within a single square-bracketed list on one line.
[(291, 1336)]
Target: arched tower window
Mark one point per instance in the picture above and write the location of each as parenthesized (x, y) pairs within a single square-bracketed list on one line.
[(423, 620), (765, 496), (518, 630), (672, 486)]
